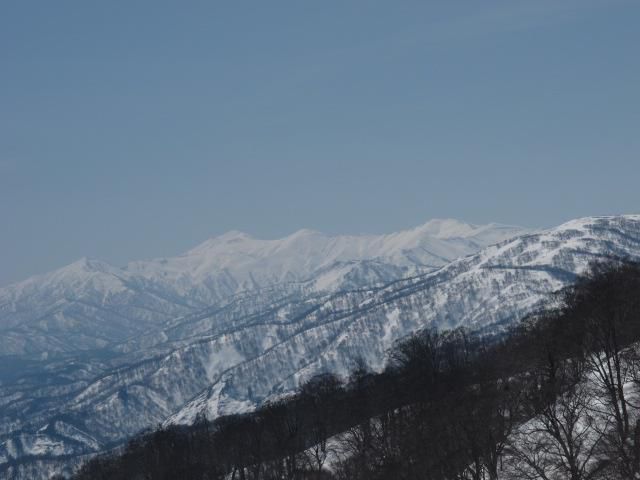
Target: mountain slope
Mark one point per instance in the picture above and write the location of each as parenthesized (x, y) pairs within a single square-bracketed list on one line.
[(232, 358), (92, 353), (92, 305), (483, 292)]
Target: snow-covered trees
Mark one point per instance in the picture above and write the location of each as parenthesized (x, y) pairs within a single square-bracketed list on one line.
[(556, 399)]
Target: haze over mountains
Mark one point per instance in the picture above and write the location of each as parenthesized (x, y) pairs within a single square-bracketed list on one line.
[(91, 304), (100, 352)]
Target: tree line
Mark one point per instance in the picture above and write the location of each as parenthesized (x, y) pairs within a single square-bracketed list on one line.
[(555, 398)]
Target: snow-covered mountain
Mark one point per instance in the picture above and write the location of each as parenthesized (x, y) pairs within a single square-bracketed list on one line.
[(484, 292), (250, 262), (261, 342), (91, 304)]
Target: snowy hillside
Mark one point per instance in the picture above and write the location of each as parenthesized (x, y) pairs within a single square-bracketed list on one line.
[(483, 292), (90, 304), (66, 334), (250, 347)]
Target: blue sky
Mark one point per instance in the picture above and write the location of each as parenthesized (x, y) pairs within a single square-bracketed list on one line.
[(135, 129)]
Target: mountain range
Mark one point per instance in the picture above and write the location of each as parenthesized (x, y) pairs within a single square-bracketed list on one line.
[(93, 353), (92, 305)]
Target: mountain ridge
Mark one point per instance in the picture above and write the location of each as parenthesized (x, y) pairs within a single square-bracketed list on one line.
[(259, 345), (145, 294)]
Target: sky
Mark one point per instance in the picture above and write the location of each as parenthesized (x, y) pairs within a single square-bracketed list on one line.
[(137, 129)]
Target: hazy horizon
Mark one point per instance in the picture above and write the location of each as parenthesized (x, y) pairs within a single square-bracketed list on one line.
[(285, 235), (139, 130)]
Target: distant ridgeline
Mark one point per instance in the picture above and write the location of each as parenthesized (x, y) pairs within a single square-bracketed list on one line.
[(556, 398)]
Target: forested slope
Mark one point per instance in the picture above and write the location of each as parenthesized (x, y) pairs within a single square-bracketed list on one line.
[(556, 398)]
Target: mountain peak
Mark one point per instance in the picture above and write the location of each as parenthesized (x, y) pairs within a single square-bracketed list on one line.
[(84, 267), (444, 228), (305, 232), (86, 263), (228, 238), (233, 236)]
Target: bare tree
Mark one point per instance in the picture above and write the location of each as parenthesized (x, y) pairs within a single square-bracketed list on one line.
[(563, 440)]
